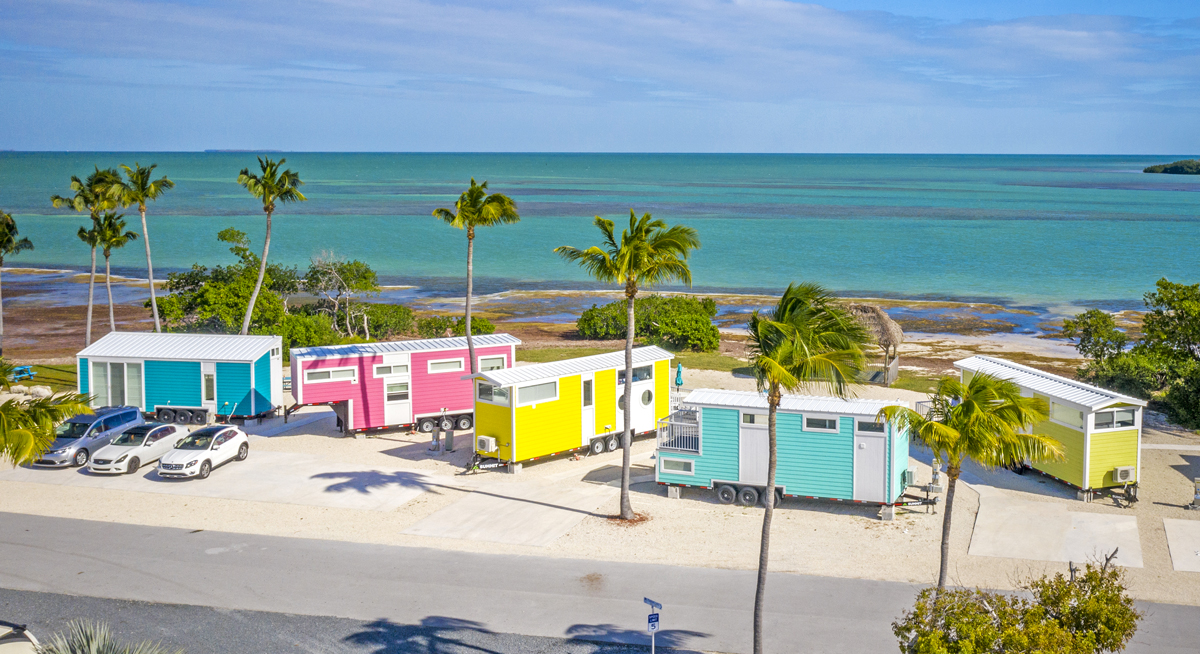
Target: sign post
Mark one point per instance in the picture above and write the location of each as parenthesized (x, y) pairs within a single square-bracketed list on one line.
[(652, 620)]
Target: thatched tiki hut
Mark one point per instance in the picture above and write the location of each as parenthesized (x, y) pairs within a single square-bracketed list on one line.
[(888, 336)]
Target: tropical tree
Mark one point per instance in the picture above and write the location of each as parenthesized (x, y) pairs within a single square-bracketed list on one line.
[(94, 195), (111, 235), (27, 426), (807, 338), (272, 186), (984, 419), (475, 208), (649, 253), (138, 187), (11, 244)]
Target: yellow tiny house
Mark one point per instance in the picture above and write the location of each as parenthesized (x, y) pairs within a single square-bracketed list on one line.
[(529, 412)]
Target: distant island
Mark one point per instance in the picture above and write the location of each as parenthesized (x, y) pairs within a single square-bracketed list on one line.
[(243, 152), (1182, 167)]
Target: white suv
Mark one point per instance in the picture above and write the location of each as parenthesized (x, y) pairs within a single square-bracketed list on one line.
[(203, 450)]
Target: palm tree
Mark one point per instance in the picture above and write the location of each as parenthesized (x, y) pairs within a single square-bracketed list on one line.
[(94, 195), (650, 253), (271, 186), (97, 638), (138, 188), (111, 235), (985, 420), (10, 244), (808, 338), (27, 426), (477, 209)]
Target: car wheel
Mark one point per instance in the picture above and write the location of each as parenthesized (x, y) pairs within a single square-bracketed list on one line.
[(445, 424), (243, 452), (464, 422), (425, 426), (597, 446), (613, 443), (81, 458), (748, 496), (726, 494), (205, 470), (133, 466)]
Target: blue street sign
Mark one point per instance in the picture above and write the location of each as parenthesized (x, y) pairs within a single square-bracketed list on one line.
[(652, 623)]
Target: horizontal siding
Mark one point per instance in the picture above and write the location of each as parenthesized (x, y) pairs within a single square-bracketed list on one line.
[(662, 390), (367, 393), (83, 376), (262, 383), (604, 393), (549, 427), (899, 461), (234, 395), (1110, 450), (689, 480), (495, 421), (172, 383), (719, 445), (431, 392), (814, 464), (1071, 468)]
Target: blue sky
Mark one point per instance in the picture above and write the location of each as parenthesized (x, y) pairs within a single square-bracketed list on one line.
[(1057, 76)]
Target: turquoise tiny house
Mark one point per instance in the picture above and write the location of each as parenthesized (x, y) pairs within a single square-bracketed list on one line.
[(184, 378), (827, 448)]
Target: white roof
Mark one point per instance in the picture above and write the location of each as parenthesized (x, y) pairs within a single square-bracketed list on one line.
[(790, 403), (1060, 388), (180, 347), (568, 367), (359, 349)]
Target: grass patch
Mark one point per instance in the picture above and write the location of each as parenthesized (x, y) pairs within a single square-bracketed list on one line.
[(58, 378), (709, 361), (548, 354), (912, 381)]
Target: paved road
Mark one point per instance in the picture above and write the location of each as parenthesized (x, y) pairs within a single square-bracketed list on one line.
[(408, 588)]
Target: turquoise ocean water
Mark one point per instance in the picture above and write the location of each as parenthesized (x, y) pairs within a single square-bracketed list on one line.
[(1021, 230)]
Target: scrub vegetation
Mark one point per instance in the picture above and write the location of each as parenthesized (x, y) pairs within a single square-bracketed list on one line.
[(1181, 167), (682, 322)]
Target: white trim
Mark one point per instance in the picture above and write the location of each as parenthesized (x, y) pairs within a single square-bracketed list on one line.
[(429, 365), (837, 421), (475, 391), (1104, 430), (353, 380), (742, 424), (691, 464), (502, 356), (517, 392), (858, 432), (390, 366)]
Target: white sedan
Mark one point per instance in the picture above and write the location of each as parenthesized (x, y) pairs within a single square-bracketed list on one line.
[(134, 447), (203, 450)]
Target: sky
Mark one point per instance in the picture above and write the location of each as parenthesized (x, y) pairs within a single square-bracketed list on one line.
[(909, 76)]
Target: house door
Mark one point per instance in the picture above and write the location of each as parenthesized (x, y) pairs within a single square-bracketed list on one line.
[(588, 410), (397, 403), (643, 399), (208, 387), (870, 454), (753, 449)]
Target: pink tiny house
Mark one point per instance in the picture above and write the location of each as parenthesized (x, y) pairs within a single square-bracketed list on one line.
[(398, 383)]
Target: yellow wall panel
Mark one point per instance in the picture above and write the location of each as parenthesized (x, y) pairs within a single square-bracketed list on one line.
[(606, 401), (554, 426), (1109, 450), (495, 421), (1071, 468), (662, 390)]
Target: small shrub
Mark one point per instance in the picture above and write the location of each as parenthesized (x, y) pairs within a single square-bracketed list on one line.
[(1183, 397), (1138, 375), (689, 330), (305, 330), (389, 321), (96, 638), (685, 322), (436, 326)]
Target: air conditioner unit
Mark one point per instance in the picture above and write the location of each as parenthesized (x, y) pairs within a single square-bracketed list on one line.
[(910, 477), (1123, 474), (485, 443)]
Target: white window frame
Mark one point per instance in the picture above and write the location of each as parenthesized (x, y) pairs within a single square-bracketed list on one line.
[(479, 361), (1079, 428), (663, 459), (429, 366), (517, 392), (407, 392), (1137, 420), (390, 366), (492, 401), (859, 432), (353, 380), (621, 371), (754, 425), (837, 421)]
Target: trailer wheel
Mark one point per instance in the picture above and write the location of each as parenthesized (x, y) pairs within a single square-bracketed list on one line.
[(778, 496), (726, 494), (445, 423), (183, 417), (425, 426), (166, 415), (199, 417), (613, 443), (597, 446), (748, 496), (464, 422)]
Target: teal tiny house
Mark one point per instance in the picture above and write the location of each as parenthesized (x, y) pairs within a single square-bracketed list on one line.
[(184, 378), (827, 448)]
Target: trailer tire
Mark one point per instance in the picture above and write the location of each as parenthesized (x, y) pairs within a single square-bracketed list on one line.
[(613, 444), (425, 426), (726, 494), (199, 417), (463, 422), (166, 415), (445, 423), (748, 496), (778, 496), (183, 417), (596, 446)]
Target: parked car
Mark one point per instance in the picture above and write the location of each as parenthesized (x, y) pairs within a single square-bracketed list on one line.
[(76, 439), (14, 639), (203, 450), (136, 446)]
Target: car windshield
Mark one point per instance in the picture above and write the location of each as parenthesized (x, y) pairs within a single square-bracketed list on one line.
[(198, 440), (131, 437), (71, 430)]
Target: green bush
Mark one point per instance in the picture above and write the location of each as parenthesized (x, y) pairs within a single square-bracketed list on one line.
[(304, 330), (1183, 397), (436, 326), (681, 321), (689, 330), (389, 321), (1134, 374)]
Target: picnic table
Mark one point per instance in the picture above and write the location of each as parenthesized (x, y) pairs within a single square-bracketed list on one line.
[(22, 372)]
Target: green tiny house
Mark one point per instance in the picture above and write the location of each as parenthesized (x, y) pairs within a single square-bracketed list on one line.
[(1100, 430)]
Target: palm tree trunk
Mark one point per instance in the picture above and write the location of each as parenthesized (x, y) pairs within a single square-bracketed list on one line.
[(627, 437), (952, 473), (91, 294), (760, 593), (470, 276), (112, 321), (262, 271), (150, 273)]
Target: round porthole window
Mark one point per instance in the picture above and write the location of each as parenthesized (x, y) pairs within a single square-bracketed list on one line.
[(647, 398), (621, 402)]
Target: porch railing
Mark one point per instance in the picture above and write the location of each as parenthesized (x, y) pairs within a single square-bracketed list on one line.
[(680, 432)]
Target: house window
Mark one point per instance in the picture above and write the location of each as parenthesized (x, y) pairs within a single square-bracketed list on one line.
[(491, 363), (210, 387), (1117, 418), (821, 424), (100, 383), (133, 384), (754, 420), (546, 392), (647, 398), (383, 371), (116, 383), (446, 365), (868, 427), (397, 392), (1066, 415), (587, 392), (331, 375), (678, 466), (493, 394), (639, 374)]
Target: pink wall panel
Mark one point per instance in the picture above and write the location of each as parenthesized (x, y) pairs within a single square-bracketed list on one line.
[(432, 392), (367, 393)]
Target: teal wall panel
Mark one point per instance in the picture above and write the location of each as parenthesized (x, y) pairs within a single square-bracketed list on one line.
[(719, 445), (815, 464), (84, 376), (899, 461), (172, 383), (234, 395), (262, 383)]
